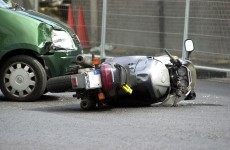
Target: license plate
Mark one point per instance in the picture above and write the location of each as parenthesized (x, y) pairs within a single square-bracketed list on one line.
[(93, 79)]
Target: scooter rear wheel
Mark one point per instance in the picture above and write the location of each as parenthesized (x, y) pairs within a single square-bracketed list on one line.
[(88, 103)]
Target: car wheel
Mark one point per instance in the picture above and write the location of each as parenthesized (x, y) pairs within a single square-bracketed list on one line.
[(22, 78)]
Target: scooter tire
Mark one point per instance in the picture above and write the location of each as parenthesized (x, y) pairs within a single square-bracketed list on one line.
[(88, 104), (59, 84)]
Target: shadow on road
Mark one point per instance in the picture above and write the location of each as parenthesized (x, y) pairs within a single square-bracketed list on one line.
[(69, 109), (75, 107), (43, 98), (205, 104)]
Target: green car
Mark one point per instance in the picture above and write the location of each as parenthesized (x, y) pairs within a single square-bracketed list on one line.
[(33, 48)]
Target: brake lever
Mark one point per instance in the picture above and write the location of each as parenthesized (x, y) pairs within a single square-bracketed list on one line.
[(172, 59)]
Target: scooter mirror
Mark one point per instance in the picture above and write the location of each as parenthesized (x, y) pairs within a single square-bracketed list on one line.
[(189, 47)]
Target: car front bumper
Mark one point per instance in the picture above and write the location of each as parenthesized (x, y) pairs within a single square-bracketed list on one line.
[(61, 62)]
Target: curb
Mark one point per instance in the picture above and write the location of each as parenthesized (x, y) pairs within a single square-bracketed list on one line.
[(220, 80), (206, 74)]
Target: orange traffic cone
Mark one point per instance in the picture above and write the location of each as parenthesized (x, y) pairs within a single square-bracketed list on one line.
[(81, 29), (71, 21)]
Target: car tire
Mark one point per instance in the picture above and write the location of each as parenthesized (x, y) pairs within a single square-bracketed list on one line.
[(22, 78), (59, 84)]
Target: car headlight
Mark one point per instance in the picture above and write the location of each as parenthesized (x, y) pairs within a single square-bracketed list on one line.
[(62, 40)]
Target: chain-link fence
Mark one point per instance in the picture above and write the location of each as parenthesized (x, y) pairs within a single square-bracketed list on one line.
[(210, 29), (147, 27)]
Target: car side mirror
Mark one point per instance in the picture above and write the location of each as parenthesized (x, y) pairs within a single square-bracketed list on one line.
[(189, 47)]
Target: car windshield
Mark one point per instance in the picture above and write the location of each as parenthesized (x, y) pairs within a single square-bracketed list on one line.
[(3, 4)]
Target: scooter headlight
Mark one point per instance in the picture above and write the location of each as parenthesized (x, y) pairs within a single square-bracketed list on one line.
[(182, 71), (184, 84)]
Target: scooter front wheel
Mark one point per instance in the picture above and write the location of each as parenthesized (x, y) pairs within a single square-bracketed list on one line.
[(88, 103)]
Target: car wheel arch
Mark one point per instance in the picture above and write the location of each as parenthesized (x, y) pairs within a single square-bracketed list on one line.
[(27, 52)]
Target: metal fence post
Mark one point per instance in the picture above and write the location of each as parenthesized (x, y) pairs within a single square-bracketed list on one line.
[(103, 28), (186, 24), (94, 20), (36, 5)]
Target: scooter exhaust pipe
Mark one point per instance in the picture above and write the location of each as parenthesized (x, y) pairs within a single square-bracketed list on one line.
[(85, 61)]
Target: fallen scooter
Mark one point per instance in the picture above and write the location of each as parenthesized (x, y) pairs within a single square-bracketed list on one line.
[(146, 80)]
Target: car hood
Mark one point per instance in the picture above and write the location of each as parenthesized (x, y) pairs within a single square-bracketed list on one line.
[(46, 19)]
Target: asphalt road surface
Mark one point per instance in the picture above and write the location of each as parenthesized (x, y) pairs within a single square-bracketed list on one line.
[(57, 122)]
